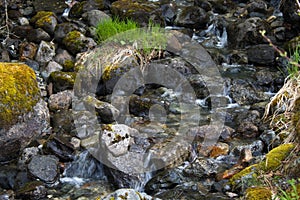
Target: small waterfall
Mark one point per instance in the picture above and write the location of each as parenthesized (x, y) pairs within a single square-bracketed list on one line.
[(215, 36), (84, 167), (143, 178)]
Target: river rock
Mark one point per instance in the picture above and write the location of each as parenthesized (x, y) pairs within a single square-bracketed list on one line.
[(38, 35), (27, 50), (23, 114), (63, 29), (62, 122), (44, 167), (246, 32), (262, 54), (63, 57), (93, 17), (52, 66), (142, 12), (192, 17), (60, 101), (117, 138), (81, 7), (76, 42), (45, 53), (128, 194), (56, 6), (45, 20), (106, 112), (62, 80)]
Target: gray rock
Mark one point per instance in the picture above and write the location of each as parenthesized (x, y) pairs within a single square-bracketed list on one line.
[(63, 29), (38, 35), (62, 56), (52, 66), (117, 138), (93, 17), (129, 194), (45, 53), (44, 167), (19, 135), (60, 101)]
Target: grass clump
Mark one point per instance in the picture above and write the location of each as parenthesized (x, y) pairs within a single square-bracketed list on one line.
[(110, 27), (292, 194)]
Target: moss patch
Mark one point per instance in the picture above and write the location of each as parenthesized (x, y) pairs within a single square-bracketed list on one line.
[(74, 42), (248, 171), (19, 92), (276, 156), (42, 18), (258, 193)]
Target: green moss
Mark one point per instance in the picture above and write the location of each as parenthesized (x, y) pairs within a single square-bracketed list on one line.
[(109, 71), (68, 66), (258, 193), (19, 91), (41, 18), (77, 9), (62, 80), (276, 156), (251, 170)]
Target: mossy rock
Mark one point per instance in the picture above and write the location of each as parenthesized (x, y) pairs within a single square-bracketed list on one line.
[(45, 20), (69, 66), (244, 177), (19, 92), (81, 7), (258, 193), (75, 42), (276, 156), (139, 10), (62, 80)]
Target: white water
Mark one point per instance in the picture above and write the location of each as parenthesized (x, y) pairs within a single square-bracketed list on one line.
[(214, 36)]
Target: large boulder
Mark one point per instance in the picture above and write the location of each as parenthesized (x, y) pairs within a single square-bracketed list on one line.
[(23, 114)]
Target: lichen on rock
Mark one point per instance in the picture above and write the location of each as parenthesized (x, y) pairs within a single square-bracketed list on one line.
[(19, 92), (258, 193)]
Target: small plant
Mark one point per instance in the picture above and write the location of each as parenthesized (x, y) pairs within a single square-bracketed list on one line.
[(289, 195), (293, 68), (110, 27)]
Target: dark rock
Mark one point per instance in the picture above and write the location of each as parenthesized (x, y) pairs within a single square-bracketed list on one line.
[(290, 14), (44, 167), (192, 17), (38, 35), (261, 54), (169, 13), (27, 50), (56, 6), (246, 32), (8, 177), (81, 7), (52, 66), (32, 190), (60, 147), (247, 130), (22, 31), (62, 122)]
